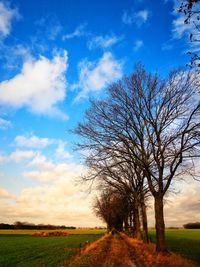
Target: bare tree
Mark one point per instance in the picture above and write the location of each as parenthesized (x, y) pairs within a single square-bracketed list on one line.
[(122, 174), (191, 12), (111, 207), (153, 121)]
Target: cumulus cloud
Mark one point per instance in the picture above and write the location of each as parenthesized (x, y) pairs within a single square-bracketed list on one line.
[(17, 155), (40, 162), (32, 141), (103, 41), (56, 199), (5, 194), (185, 204), (45, 170), (94, 76), (57, 203), (4, 124), (137, 45), (78, 32), (40, 86), (138, 18), (182, 207), (20, 155), (7, 14)]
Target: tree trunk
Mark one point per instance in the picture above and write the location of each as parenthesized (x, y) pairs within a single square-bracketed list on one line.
[(126, 225), (160, 225), (144, 221), (131, 230), (137, 230)]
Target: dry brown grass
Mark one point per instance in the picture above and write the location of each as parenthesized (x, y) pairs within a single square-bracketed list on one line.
[(118, 254), (146, 255), (109, 251), (51, 233), (90, 246)]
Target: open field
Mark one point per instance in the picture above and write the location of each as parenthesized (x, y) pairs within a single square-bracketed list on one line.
[(185, 242), (24, 250), (19, 248), (70, 231)]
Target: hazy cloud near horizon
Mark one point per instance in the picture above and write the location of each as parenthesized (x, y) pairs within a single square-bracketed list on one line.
[(57, 198)]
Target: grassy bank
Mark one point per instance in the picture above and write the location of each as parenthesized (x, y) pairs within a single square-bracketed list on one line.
[(185, 242)]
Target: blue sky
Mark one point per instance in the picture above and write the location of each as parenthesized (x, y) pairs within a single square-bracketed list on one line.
[(54, 56)]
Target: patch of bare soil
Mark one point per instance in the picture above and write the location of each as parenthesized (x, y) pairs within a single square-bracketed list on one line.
[(51, 233), (110, 251)]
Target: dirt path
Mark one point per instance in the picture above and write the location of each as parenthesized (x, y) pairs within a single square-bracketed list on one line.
[(123, 251), (119, 254), (112, 251)]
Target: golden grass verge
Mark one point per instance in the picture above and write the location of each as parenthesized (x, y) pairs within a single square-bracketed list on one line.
[(147, 256), (90, 246)]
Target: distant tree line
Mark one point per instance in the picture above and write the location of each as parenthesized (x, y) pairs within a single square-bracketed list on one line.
[(195, 225), (26, 225), (141, 137)]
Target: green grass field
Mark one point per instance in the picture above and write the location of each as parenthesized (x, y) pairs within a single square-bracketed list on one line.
[(18, 248), (185, 242), (24, 250)]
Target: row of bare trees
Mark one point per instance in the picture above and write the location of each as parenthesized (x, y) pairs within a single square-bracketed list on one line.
[(141, 137)]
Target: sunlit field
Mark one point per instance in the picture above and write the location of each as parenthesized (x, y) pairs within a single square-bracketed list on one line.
[(81, 231), (185, 242), (20, 248)]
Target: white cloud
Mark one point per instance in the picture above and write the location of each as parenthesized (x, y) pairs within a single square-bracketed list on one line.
[(20, 155), (137, 18), (7, 14), (5, 194), (17, 156), (137, 45), (61, 153), (40, 86), (49, 27), (45, 170), (35, 142), (142, 16), (56, 199), (179, 28), (78, 32), (4, 124), (40, 162), (103, 41), (181, 31), (181, 207), (58, 203), (14, 55), (95, 76), (186, 205), (32, 141)]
